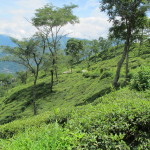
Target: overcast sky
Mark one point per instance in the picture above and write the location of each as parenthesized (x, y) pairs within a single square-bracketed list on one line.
[(93, 23)]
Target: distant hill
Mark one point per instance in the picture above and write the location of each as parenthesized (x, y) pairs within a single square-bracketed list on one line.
[(9, 67), (5, 40)]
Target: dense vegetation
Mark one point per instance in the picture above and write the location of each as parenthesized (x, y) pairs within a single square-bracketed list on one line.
[(67, 99), (83, 111)]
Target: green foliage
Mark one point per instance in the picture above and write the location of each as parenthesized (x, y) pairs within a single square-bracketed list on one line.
[(5, 78), (49, 21), (106, 74), (90, 48), (53, 16), (127, 18), (83, 112), (22, 76), (73, 48), (52, 137), (95, 46), (104, 44), (6, 82), (27, 52), (126, 11), (91, 74), (141, 80)]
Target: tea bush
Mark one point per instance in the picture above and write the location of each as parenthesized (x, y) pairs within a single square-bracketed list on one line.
[(141, 79), (52, 137), (119, 120)]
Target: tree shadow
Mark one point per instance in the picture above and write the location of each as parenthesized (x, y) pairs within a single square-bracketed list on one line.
[(26, 94), (95, 96), (23, 98)]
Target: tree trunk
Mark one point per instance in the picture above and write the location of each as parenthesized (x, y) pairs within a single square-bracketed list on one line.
[(52, 81), (56, 73), (55, 62), (125, 53), (35, 91), (127, 67), (34, 99), (115, 82), (141, 42), (26, 76), (54, 68), (34, 107)]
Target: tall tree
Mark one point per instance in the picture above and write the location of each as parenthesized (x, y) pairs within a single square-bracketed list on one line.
[(127, 17), (49, 21)]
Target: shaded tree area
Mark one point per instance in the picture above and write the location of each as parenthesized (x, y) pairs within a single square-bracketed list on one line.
[(6, 82), (127, 17)]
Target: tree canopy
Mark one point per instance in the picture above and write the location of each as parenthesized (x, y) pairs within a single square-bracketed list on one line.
[(74, 47)]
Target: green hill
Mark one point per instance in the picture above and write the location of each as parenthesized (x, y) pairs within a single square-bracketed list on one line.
[(83, 111)]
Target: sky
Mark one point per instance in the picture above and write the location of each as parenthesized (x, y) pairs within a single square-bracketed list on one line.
[(13, 15)]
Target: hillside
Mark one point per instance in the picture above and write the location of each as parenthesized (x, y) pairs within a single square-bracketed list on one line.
[(7, 67), (5, 40), (83, 111)]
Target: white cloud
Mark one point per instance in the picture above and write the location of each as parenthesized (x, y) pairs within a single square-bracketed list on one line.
[(89, 28), (16, 25)]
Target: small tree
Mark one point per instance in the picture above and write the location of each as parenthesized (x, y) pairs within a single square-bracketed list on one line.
[(104, 44), (6, 82), (73, 48), (5, 79), (28, 53), (95, 47)]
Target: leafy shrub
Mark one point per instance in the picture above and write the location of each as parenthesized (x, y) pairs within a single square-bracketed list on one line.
[(105, 75), (22, 76), (119, 121), (78, 71), (145, 56), (91, 74), (123, 124), (50, 137), (141, 80)]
